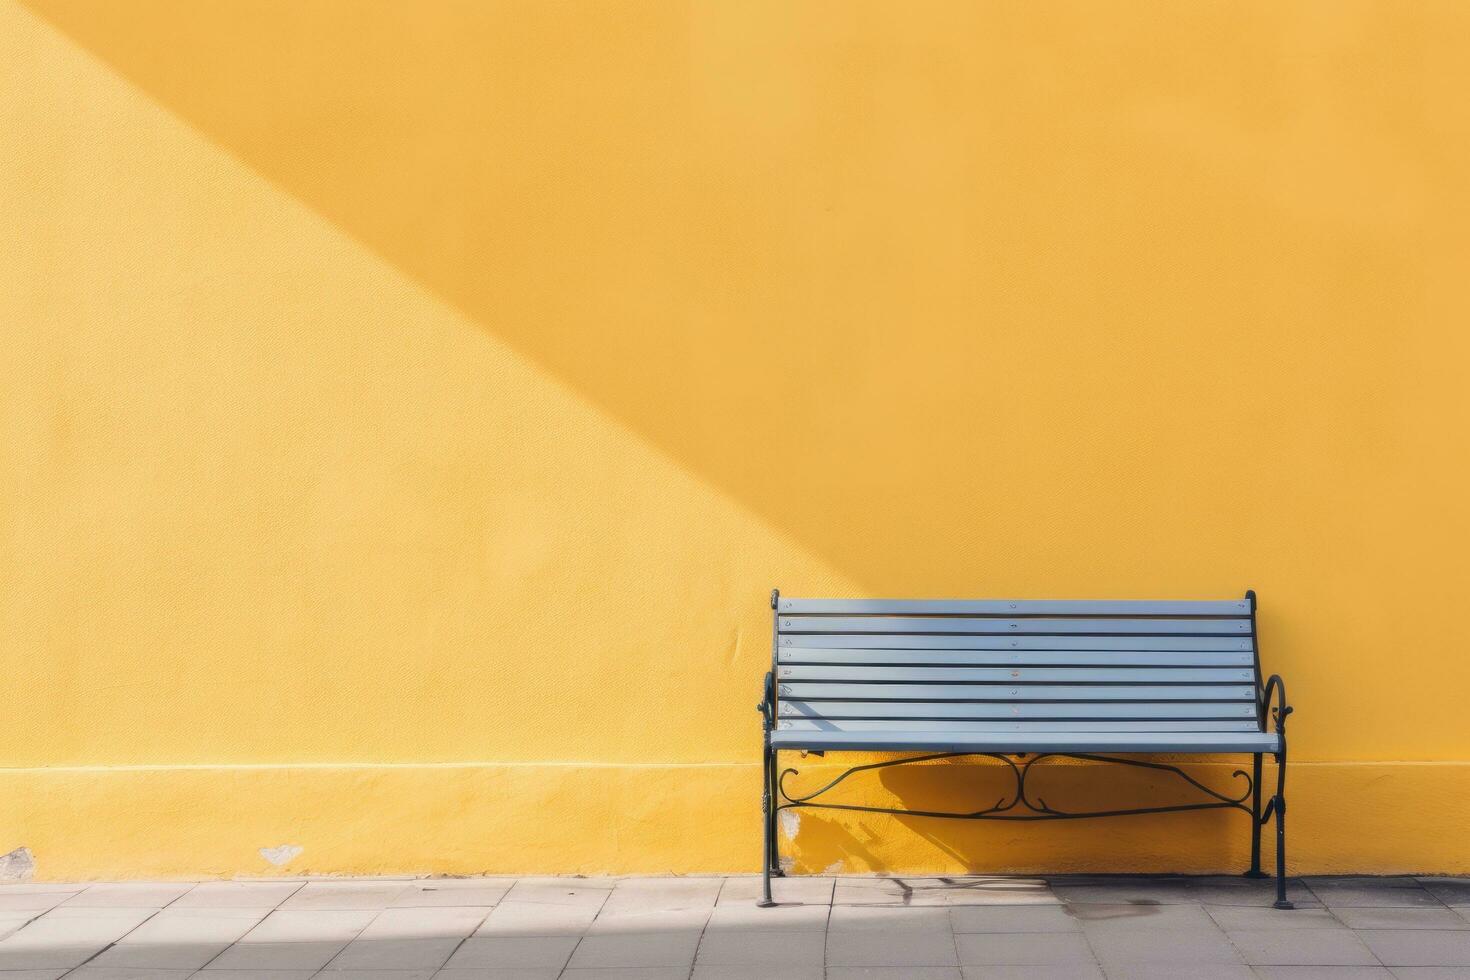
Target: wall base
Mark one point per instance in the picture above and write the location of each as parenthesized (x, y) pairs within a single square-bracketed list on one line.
[(581, 818)]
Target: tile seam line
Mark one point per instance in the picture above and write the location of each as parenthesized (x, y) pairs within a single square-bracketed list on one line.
[(269, 766)]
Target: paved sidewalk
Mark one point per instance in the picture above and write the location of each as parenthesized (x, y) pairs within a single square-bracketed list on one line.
[(708, 928)]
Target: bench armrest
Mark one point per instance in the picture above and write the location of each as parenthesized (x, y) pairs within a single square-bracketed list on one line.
[(767, 707), (1278, 714)]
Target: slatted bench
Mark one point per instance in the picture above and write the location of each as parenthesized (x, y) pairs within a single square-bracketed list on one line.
[(1008, 679)]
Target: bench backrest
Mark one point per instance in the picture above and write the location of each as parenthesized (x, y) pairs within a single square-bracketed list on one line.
[(1016, 665)]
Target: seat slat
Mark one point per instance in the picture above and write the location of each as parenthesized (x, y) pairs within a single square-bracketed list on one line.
[(1016, 692), (949, 624), (930, 725), (1006, 658), (1015, 607), (1029, 741), (817, 641), (1024, 711), (1009, 675)]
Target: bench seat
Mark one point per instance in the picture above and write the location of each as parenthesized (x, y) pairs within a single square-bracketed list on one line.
[(1028, 741)]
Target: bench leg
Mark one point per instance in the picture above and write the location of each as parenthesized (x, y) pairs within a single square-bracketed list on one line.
[(1278, 809), (768, 823), (1255, 869), (775, 858)]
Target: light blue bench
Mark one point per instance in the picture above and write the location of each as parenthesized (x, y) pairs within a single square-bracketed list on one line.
[(1012, 678)]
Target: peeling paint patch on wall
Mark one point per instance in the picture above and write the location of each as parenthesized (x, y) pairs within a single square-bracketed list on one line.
[(18, 865), (281, 855), (790, 823)]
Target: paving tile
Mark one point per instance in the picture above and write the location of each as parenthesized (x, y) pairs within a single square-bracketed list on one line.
[(1419, 947), (865, 918), (394, 954), (1123, 947), (591, 892), (128, 895), (892, 891), (346, 895), (801, 890), (185, 956), (635, 923), (535, 919), (499, 973), (763, 949), (1402, 918), (743, 917), (1062, 971), (433, 892), (717, 972), (174, 925), (137, 916), (1368, 892), (999, 891), (67, 938), (633, 950), (309, 925), (11, 921), (1301, 947), (1179, 971), (624, 973), (1451, 891), (333, 974), (894, 973), (90, 972), (1014, 918), (35, 898), (255, 974), (513, 951), (1159, 917), (887, 893), (1247, 891), (662, 894), (909, 947), (237, 894), (995, 949), (33, 974), (1429, 973), (1247, 917), (966, 890), (1122, 889), (1323, 973), (424, 923), (274, 957)]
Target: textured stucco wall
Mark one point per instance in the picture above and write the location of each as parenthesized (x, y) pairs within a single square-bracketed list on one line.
[(405, 409)]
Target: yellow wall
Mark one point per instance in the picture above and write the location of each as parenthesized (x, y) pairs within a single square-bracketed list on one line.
[(405, 409)]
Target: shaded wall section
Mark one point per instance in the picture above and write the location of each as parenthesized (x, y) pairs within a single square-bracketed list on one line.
[(407, 409)]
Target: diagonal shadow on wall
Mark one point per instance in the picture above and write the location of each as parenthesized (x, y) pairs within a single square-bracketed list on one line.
[(951, 342)]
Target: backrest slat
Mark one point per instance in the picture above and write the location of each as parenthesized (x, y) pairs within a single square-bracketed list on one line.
[(979, 676), (1013, 607), (1006, 658), (901, 641), (1019, 692), (962, 624)]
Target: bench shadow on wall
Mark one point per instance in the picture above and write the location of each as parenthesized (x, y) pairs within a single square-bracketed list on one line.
[(847, 842)]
